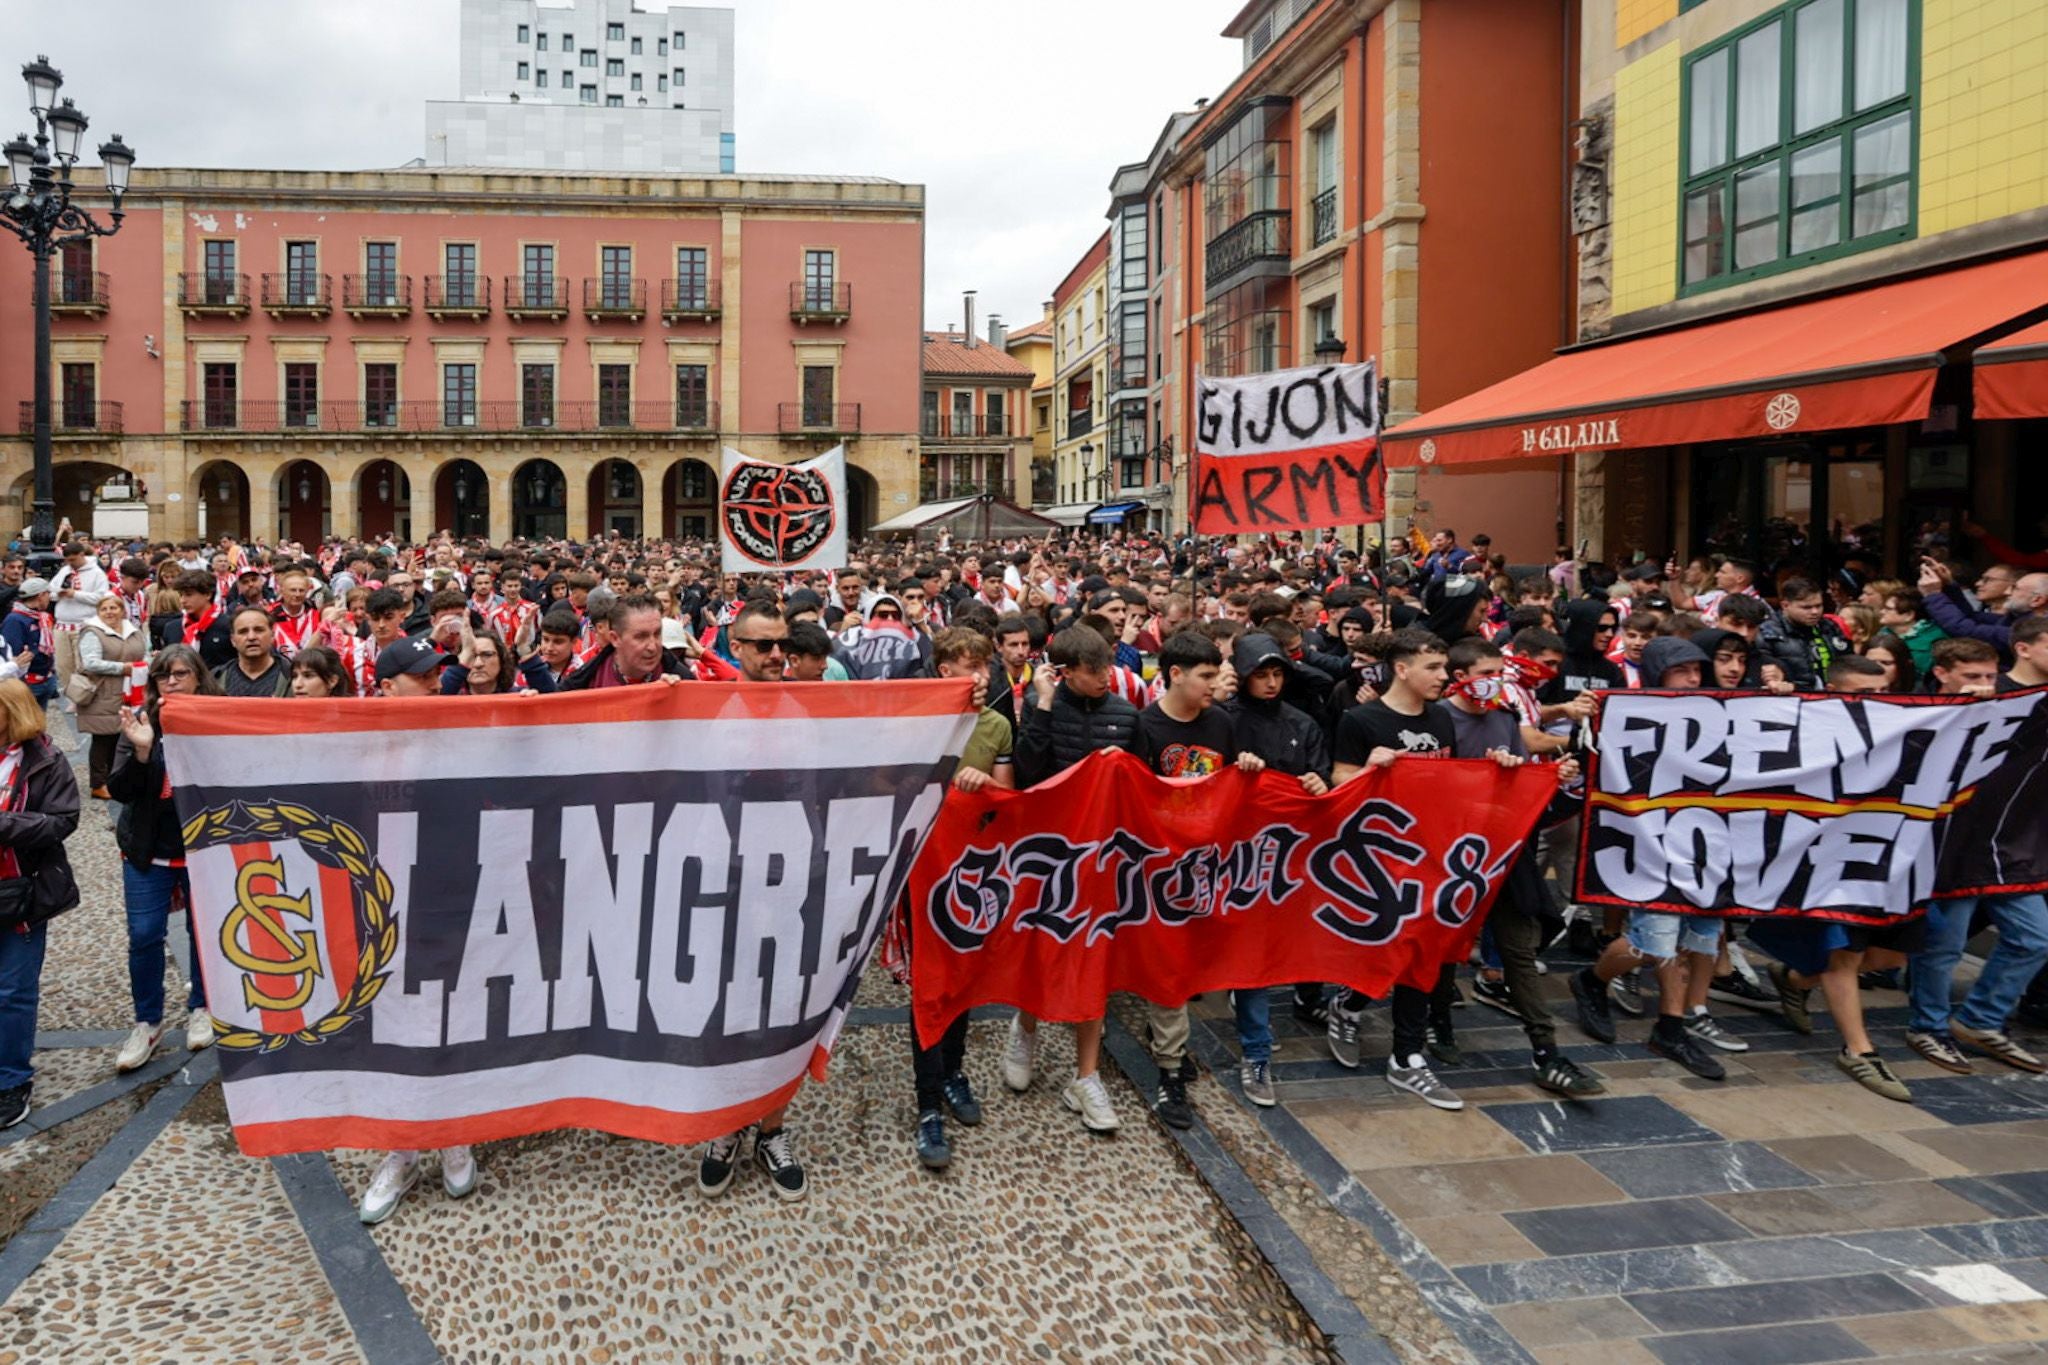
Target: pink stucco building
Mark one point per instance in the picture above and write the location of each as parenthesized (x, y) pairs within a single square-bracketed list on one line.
[(298, 354)]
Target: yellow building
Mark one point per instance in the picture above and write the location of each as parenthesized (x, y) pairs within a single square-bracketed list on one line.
[(1080, 347), (1032, 346), (1812, 257)]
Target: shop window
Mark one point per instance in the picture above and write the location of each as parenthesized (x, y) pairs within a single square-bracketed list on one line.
[(1798, 140)]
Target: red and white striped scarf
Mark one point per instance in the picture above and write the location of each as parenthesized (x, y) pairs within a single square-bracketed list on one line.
[(195, 629), (294, 633)]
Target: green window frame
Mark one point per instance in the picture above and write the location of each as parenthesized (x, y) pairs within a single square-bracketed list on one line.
[(1780, 172)]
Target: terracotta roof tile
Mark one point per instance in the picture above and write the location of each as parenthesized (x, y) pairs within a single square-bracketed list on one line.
[(944, 353)]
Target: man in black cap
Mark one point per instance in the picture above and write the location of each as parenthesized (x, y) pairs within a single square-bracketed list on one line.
[(410, 667)]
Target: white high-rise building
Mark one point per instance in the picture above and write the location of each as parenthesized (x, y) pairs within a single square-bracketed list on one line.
[(590, 85)]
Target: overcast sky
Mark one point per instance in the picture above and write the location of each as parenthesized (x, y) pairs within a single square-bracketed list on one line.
[(1013, 116)]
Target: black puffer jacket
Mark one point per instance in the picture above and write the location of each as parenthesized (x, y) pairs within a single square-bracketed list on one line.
[(147, 828), (1050, 742), (37, 832), (1283, 735)]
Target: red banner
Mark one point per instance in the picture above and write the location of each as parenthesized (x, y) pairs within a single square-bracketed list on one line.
[(1111, 879)]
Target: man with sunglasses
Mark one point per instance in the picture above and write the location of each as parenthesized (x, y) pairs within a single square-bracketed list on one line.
[(886, 647), (759, 636)]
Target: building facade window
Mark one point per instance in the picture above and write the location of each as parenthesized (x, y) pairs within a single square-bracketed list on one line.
[(218, 258), (301, 394), (661, 47), (458, 282), (615, 395), (817, 395), (302, 272), (1246, 196), (78, 390), (996, 416), (568, 42), (74, 272), (614, 101), (458, 394), (615, 33), (963, 412), (1133, 255), (219, 388), (661, 82), (634, 47), (676, 76), (537, 272), (586, 94), (1248, 330), (380, 394), (568, 80), (1799, 135), (540, 42), (525, 70), (587, 57), (540, 80), (634, 83), (536, 395), (526, 34), (1322, 149), (615, 276), (693, 277), (615, 66), (1322, 323), (693, 396), (676, 41), (931, 412), (820, 272)]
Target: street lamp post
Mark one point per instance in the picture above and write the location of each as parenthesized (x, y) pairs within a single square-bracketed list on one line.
[(39, 211)]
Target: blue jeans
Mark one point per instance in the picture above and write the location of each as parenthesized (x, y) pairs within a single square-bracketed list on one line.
[(21, 987), (149, 891), (1254, 1024), (2022, 922)]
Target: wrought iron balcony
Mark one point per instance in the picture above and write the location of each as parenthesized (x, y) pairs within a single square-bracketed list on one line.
[(1323, 212), (689, 300), (583, 417), (1080, 423), (74, 418), (813, 302), (536, 297), (216, 294), (1263, 236), (298, 294), (615, 298), (78, 291), (817, 419), (953, 427), (387, 296), (458, 296)]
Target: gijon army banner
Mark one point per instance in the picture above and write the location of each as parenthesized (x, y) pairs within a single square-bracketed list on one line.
[(642, 910), (1288, 450), (1110, 879), (1853, 807)]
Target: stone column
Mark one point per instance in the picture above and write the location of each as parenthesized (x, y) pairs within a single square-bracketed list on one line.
[(576, 477), (651, 471), (420, 475)]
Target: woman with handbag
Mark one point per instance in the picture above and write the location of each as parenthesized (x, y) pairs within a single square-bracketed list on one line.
[(109, 648), (38, 812), (153, 876)]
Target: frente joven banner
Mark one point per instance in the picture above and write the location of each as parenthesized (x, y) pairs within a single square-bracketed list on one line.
[(642, 910), (1853, 807), (1289, 450), (782, 517), (1109, 878)]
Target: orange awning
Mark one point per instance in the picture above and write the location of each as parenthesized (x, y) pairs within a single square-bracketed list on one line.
[(2012, 376), (1866, 358)]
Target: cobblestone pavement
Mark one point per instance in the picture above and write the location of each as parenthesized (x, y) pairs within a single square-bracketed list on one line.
[(1785, 1214)]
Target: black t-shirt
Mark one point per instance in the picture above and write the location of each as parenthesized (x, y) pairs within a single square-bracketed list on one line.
[(1377, 725), (1184, 748)]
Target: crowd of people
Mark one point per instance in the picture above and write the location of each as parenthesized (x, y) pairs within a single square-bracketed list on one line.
[(1299, 656)]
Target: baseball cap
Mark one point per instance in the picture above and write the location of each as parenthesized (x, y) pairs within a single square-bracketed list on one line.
[(34, 587), (413, 654)]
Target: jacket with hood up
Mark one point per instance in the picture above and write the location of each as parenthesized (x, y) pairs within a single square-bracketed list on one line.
[(1585, 668), (1285, 736), (882, 650)]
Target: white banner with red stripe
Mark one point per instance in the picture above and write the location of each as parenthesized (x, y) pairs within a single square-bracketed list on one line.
[(641, 910)]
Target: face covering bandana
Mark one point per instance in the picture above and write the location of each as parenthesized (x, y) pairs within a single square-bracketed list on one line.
[(1488, 694)]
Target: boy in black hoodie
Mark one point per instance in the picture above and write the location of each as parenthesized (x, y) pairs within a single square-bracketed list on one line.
[(1291, 743)]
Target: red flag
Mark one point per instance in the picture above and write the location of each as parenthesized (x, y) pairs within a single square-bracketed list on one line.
[(1111, 879)]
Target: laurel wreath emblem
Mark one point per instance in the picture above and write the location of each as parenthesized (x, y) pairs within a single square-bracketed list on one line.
[(335, 844)]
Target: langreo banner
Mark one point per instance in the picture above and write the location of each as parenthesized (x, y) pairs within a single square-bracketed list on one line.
[(642, 910), (1289, 450), (1110, 879), (1854, 807)]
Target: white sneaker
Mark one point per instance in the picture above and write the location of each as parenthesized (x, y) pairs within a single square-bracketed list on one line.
[(198, 1031), (142, 1041), (1418, 1080), (1085, 1096), (1020, 1054), (399, 1172), (458, 1171)]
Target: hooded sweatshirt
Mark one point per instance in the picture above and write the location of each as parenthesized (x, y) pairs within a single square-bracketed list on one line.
[(1667, 652), (1585, 668), (1283, 735)]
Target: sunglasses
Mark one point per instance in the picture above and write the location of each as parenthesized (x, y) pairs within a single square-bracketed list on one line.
[(765, 646)]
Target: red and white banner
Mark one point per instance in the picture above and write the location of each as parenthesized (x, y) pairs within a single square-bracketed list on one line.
[(1111, 879), (453, 919), (1289, 450)]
